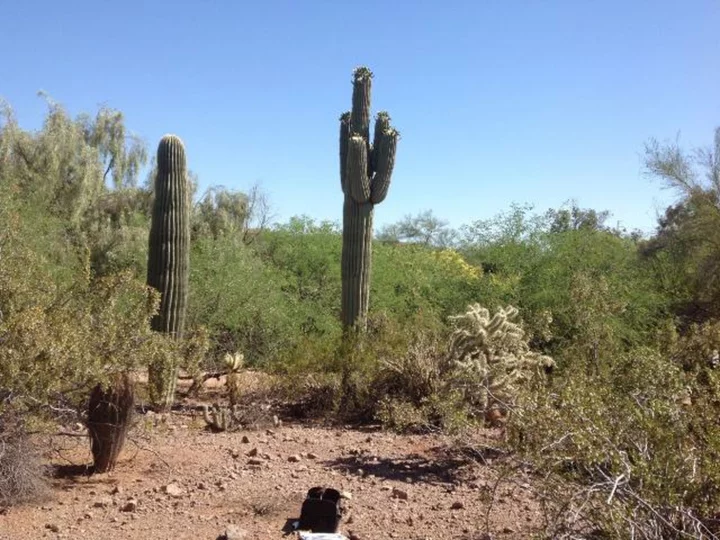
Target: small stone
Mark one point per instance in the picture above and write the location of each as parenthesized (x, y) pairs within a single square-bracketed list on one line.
[(117, 490), (399, 494), (245, 440), (103, 503), (346, 495), (294, 459), (252, 453), (173, 490), (508, 530), (255, 461), (310, 455), (130, 505), (457, 505), (54, 527), (233, 532)]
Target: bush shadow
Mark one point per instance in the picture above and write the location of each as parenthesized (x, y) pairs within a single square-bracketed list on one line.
[(415, 467)]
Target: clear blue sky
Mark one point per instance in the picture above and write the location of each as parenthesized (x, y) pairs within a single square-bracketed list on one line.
[(498, 101)]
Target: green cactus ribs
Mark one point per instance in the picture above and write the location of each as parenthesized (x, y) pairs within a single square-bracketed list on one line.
[(168, 258), (365, 172)]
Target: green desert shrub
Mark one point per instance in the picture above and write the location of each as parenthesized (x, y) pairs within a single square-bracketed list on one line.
[(60, 340), (627, 451), (476, 375)]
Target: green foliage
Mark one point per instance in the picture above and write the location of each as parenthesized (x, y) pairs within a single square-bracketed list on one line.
[(685, 251), (412, 379), (65, 326), (193, 355), (424, 228), (582, 289), (60, 342), (240, 300), (63, 167), (220, 212), (412, 279), (628, 431)]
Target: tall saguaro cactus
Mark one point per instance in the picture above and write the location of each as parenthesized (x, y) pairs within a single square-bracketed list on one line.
[(365, 171), (169, 260)]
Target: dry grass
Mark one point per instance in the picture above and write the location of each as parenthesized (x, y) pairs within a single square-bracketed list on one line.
[(22, 474)]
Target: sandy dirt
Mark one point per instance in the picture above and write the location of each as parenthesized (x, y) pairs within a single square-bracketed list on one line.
[(176, 480)]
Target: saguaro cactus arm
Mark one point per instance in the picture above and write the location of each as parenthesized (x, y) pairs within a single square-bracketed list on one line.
[(383, 157), (344, 142), (357, 165)]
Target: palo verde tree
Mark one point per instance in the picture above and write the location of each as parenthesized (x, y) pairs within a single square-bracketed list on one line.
[(365, 172), (685, 249), (424, 229), (64, 166), (169, 260)]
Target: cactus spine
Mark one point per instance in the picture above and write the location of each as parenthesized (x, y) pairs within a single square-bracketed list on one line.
[(168, 260), (365, 172)]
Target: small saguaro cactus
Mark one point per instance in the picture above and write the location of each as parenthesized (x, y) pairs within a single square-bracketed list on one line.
[(365, 171), (169, 260)]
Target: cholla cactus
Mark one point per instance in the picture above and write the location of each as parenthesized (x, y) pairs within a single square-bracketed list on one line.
[(233, 362), (219, 418), (490, 356)]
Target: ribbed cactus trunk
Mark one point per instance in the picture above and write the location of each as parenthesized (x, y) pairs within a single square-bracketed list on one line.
[(365, 172), (168, 261)]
